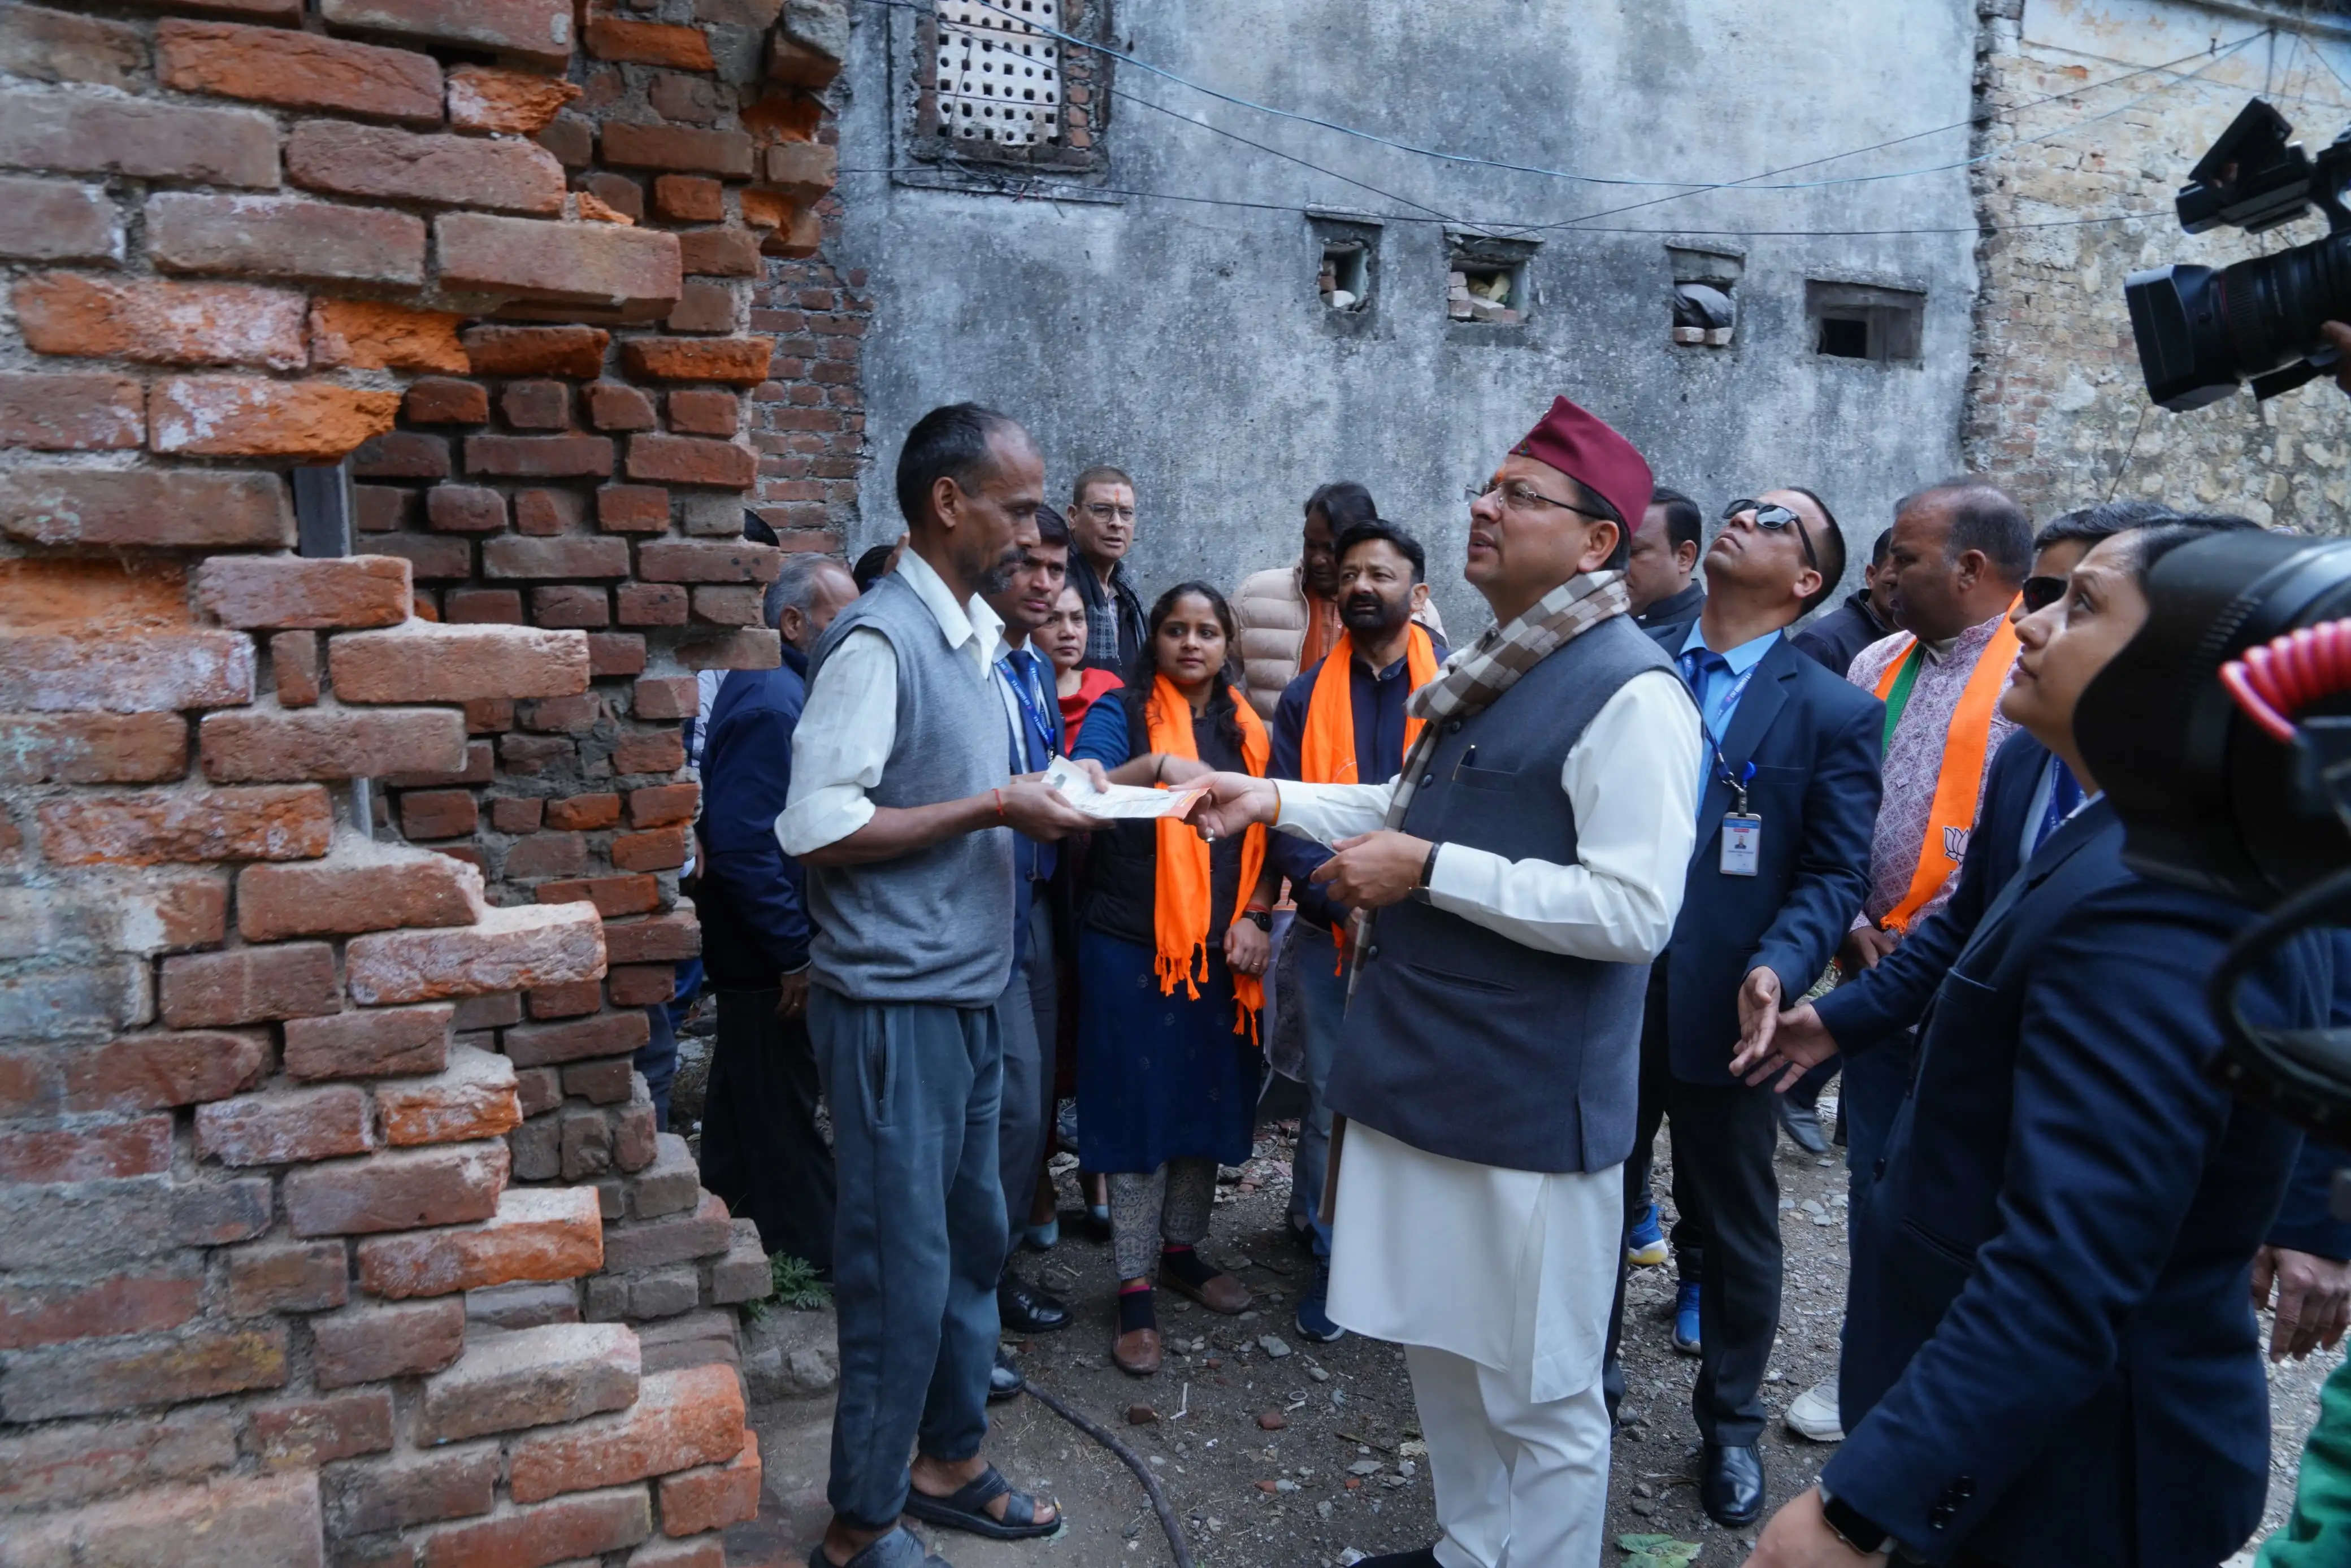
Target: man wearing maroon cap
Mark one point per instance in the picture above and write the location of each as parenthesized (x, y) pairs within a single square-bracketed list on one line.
[(1524, 869)]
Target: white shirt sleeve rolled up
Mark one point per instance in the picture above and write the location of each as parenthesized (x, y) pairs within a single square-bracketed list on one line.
[(1632, 778)]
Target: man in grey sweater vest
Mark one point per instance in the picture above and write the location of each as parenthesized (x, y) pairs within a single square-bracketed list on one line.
[(1525, 867), (903, 809)]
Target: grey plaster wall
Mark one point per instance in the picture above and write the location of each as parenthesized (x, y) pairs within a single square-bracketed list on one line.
[(1186, 343)]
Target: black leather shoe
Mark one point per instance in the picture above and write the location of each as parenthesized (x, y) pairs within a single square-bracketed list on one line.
[(1730, 1484), (1802, 1124), (1423, 1558), (1004, 1379), (1024, 1309)]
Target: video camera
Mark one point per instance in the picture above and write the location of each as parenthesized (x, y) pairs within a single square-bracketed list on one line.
[(2201, 332)]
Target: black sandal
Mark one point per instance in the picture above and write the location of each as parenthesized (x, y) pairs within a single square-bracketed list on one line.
[(966, 1509), (897, 1548)]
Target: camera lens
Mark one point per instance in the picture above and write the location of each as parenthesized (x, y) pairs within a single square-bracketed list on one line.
[(2201, 332), (2174, 314)]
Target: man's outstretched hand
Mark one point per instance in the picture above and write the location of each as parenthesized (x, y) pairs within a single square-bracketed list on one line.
[(1235, 801), (1795, 1042), (1035, 807)]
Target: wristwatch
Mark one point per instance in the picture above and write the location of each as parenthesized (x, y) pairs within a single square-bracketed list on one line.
[(1863, 1535), (1419, 889), (1260, 919)]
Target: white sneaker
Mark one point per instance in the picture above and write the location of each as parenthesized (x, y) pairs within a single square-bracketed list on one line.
[(1814, 1414)]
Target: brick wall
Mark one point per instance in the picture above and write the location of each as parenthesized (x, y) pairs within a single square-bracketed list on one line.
[(2055, 395), (333, 1225)]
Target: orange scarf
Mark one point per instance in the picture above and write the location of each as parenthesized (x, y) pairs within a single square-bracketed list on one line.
[(1180, 901), (1960, 780), (1324, 627), (1326, 751)]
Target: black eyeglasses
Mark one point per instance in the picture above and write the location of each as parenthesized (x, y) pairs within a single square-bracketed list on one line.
[(2040, 592), (1770, 516)]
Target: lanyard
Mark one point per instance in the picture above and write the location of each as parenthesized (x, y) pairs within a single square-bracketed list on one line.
[(1738, 781), (1024, 692)]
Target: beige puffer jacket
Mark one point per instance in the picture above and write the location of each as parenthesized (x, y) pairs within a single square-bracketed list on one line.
[(1270, 608)]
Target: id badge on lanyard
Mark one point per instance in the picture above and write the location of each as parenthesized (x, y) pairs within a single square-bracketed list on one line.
[(1742, 831)]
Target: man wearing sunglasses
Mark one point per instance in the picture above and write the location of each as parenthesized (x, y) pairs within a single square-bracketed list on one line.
[(1787, 794)]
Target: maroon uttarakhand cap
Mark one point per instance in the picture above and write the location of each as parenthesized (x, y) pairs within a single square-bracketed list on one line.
[(1588, 451)]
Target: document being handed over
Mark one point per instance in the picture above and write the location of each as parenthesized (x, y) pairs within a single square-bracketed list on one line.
[(1120, 801)]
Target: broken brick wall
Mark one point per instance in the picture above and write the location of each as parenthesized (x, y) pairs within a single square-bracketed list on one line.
[(340, 811)]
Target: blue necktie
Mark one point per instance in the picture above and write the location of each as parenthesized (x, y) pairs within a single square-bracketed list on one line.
[(1033, 749)]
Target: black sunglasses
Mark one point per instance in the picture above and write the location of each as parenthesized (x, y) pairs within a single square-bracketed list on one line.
[(2040, 592), (1770, 516)]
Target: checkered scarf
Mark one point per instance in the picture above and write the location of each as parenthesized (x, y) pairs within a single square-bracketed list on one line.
[(1473, 677)]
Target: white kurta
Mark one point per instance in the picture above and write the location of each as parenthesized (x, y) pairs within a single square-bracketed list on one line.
[(1515, 1269)]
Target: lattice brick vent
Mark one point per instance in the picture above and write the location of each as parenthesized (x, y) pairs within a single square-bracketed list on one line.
[(999, 75)]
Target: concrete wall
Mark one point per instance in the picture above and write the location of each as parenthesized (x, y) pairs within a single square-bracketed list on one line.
[(1186, 342)]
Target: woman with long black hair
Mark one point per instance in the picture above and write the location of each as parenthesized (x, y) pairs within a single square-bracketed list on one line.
[(1172, 943)]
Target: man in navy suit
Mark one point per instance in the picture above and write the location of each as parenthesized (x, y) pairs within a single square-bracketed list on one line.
[(1789, 795), (2048, 1356), (761, 1150)]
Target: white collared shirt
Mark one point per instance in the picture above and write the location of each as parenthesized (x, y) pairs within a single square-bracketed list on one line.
[(851, 722)]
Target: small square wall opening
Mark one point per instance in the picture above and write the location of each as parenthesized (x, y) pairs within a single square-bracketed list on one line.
[(1345, 254), (1487, 279), (1864, 321), (1344, 281)]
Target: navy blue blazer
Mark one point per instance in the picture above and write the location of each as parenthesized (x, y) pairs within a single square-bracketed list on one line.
[(1815, 739), (2050, 1356), (755, 924)]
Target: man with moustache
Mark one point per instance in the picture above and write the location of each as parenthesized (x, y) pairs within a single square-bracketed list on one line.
[(1102, 527), (1524, 869), (1342, 722), (1661, 574), (904, 806)]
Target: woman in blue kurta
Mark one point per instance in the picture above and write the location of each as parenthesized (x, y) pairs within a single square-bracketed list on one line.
[(1170, 930)]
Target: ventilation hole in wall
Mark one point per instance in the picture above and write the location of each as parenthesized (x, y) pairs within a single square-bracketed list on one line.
[(1000, 75), (1344, 281), (1484, 291), (1703, 313), (1844, 337), (1866, 321)]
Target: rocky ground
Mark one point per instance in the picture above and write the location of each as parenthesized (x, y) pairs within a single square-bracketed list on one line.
[(1278, 1453)]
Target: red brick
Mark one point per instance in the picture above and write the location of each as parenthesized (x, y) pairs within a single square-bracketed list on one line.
[(540, 29), (93, 749), (437, 400), (615, 406), (691, 1416), (584, 812), (537, 1233), (690, 198), (403, 454), (662, 939), (544, 558), (546, 855), (537, 405), (437, 558), (488, 716), (649, 43), (799, 63), (410, 1488), (437, 813), (563, 716), (607, 197), (349, 160), (630, 146), (477, 770), (299, 71), (215, 1213), (640, 985), (800, 234), (577, 1527), (545, 513), (368, 1344), (515, 816), (91, 1377), (55, 45), (632, 509), (284, 237), (728, 605), (152, 1072), (699, 560), (371, 1043), (580, 996), (517, 103), (144, 506), (539, 457), (314, 1432), (527, 756), (241, 416), (162, 323), (229, 1524), (533, 1378), (702, 307), (86, 1153), (202, 826), (662, 805), (720, 253), (537, 351), (283, 1127), (58, 1314), (121, 671), (474, 1097), (362, 887), (802, 171), (287, 1277), (662, 849), (712, 1498), (664, 696), (700, 412), (398, 1190), (82, 134), (287, 590), (578, 608), (634, 271), (505, 950), (658, 752), (603, 1034), (615, 653), (741, 361), (294, 667), (465, 508), (375, 335), (249, 985), (692, 460), (262, 746), (456, 664), (79, 413), (42, 220)]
